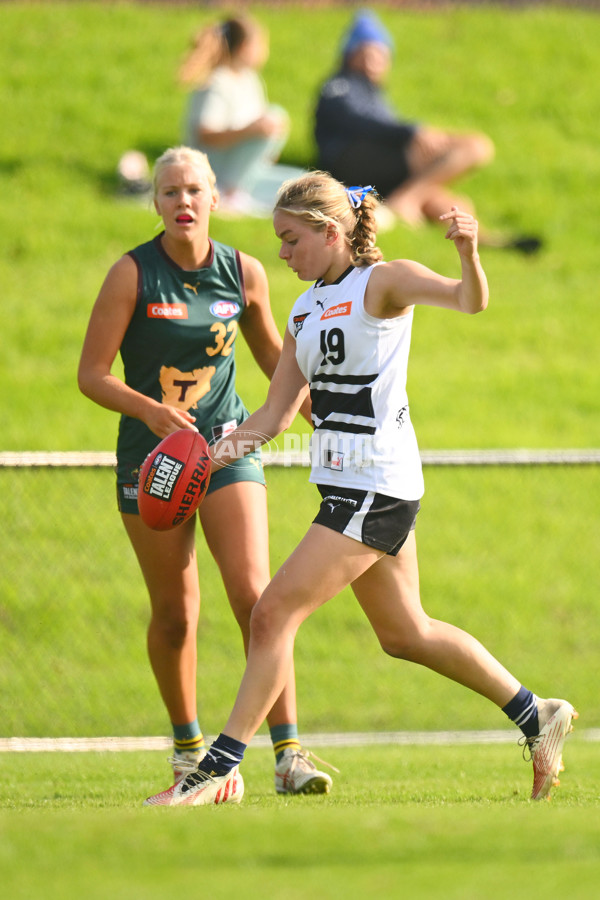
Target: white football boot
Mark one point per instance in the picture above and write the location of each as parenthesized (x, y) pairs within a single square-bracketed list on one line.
[(555, 718), (184, 762), (200, 789), (296, 774)]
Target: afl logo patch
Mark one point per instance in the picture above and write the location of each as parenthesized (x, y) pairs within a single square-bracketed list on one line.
[(225, 309)]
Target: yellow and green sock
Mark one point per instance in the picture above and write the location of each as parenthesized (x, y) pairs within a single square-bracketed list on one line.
[(188, 739), (284, 737)]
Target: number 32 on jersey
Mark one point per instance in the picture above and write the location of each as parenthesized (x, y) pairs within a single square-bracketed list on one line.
[(224, 338)]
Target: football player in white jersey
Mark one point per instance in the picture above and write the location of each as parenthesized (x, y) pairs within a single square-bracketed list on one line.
[(348, 337)]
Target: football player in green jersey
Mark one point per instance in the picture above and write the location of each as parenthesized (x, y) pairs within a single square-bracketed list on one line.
[(172, 308)]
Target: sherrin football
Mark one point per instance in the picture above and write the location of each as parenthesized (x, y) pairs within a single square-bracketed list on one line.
[(173, 480)]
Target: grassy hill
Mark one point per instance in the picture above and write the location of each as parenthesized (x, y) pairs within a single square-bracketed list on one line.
[(84, 82)]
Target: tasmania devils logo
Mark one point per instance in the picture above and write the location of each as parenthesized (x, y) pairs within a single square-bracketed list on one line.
[(342, 309)]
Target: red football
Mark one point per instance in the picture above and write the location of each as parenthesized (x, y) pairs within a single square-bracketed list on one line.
[(173, 480)]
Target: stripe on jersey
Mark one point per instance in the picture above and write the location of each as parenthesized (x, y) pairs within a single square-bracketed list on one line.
[(343, 379), (341, 411)]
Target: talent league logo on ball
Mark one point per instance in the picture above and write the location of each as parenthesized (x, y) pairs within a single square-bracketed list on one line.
[(225, 309), (163, 476)]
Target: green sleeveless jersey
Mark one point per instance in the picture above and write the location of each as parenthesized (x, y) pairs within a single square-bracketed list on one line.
[(179, 346)]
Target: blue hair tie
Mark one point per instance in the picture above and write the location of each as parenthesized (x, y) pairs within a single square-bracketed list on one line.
[(357, 194)]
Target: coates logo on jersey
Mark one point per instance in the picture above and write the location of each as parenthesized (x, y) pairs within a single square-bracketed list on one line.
[(225, 309), (341, 309), (167, 311)]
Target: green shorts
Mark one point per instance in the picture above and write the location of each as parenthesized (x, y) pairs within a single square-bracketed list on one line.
[(249, 468)]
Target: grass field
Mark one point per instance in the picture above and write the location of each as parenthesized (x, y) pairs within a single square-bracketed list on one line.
[(510, 554), (426, 822)]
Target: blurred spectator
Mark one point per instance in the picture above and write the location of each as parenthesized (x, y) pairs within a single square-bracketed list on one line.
[(228, 115), (362, 140), (134, 174)]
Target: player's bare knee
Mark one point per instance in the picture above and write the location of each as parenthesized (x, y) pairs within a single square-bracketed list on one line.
[(242, 602), (408, 645), (175, 632), (398, 649), (270, 617), (264, 621)]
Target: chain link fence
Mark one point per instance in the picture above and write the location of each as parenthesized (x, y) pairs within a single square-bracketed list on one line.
[(508, 546)]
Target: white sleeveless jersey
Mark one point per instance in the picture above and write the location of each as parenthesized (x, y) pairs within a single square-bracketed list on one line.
[(356, 367)]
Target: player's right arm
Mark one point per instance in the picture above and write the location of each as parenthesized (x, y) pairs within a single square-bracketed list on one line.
[(286, 393), (108, 323)]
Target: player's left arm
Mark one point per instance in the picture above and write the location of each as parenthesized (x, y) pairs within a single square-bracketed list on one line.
[(258, 325), (404, 283)]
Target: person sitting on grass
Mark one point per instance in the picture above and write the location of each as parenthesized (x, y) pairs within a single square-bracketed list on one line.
[(229, 118), (362, 140)]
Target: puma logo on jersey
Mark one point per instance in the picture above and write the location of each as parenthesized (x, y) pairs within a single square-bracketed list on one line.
[(192, 287), (341, 309)]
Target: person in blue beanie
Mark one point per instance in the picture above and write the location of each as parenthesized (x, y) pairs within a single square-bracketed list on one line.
[(362, 140)]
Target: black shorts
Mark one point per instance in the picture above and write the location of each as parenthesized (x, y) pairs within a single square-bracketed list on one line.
[(373, 519), (385, 166)]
